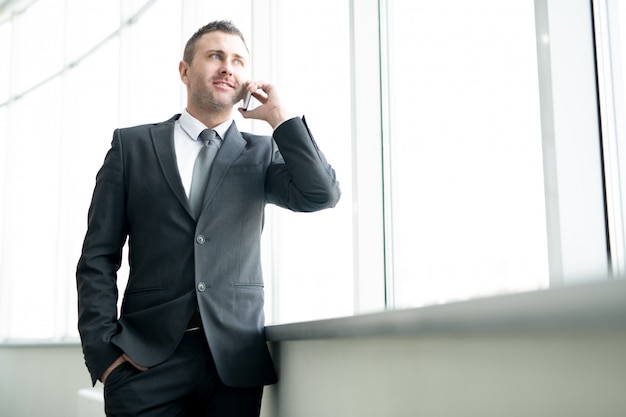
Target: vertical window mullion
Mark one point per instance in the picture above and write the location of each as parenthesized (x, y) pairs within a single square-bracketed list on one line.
[(571, 138), (368, 191), (611, 104)]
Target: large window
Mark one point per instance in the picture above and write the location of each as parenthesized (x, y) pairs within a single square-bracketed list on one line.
[(465, 176), (467, 169), (309, 257)]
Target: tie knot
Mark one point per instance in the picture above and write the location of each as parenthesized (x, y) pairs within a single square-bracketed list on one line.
[(209, 136)]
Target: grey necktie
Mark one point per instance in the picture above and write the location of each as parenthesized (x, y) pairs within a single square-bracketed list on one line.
[(201, 169)]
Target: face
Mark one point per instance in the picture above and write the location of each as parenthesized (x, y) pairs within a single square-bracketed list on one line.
[(216, 75)]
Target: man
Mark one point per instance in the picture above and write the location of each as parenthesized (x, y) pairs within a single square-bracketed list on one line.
[(189, 339)]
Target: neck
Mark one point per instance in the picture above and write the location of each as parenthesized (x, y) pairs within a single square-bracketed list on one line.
[(210, 118)]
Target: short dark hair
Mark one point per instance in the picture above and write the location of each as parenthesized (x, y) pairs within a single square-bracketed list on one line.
[(225, 26)]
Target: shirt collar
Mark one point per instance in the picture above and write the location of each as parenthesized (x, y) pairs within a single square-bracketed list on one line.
[(193, 127)]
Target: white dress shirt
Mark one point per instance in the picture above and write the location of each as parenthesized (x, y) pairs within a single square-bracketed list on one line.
[(187, 146)]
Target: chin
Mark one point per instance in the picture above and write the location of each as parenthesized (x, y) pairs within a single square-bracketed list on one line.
[(227, 101), (219, 105)]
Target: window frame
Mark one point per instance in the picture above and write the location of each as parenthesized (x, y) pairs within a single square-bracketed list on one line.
[(583, 180)]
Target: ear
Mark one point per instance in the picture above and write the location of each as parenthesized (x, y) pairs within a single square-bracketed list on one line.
[(182, 69)]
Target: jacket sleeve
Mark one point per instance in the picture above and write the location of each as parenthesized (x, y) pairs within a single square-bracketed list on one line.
[(299, 177), (96, 274)]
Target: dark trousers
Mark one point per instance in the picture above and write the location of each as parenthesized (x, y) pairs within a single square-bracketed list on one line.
[(186, 384)]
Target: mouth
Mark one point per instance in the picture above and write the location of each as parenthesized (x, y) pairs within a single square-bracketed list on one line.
[(224, 84)]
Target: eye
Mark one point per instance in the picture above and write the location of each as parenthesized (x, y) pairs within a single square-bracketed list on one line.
[(239, 62)]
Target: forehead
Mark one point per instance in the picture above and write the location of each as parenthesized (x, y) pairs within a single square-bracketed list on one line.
[(221, 41)]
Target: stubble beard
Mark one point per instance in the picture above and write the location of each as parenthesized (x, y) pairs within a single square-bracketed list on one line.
[(210, 102)]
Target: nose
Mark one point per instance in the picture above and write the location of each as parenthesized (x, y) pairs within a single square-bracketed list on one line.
[(227, 68)]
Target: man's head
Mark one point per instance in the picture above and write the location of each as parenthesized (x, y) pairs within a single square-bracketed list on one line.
[(214, 69)]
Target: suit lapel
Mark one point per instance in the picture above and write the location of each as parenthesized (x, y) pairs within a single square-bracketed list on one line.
[(163, 141), (232, 146)]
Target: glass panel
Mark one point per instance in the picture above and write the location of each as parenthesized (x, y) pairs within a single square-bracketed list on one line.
[(620, 35), (5, 61), (466, 185), (88, 23), (38, 44), (311, 260), (151, 86), (29, 257), (5, 294), (93, 84), (467, 194), (131, 7)]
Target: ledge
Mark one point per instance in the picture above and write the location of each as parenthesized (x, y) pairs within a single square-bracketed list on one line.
[(580, 307), (573, 308), (37, 343)]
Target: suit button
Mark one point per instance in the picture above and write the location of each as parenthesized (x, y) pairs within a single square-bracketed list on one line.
[(200, 239), (201, 286)]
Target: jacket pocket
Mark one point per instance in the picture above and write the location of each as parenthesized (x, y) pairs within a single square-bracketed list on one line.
[(144, 290), (249, 285)]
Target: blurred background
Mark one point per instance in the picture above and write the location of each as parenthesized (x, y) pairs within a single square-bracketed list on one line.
[(478, 144)]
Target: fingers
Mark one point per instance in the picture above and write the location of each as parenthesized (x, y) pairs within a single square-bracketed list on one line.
[(123, 358), (259, 89), (271, 109), (127, 358), (261, 97), (251, 113), (111, 367)]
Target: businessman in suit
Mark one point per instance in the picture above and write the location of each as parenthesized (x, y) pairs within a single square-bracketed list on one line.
[(189, 340)]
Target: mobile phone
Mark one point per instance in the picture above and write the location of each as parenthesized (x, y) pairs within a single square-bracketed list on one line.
[(246, 100)]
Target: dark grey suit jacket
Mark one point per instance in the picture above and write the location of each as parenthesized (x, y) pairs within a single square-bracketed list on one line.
[(179, 263)]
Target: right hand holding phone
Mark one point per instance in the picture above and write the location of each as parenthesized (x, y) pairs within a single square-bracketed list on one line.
[(271, 109)]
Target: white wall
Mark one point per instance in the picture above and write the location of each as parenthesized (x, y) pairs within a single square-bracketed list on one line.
[(575, 374), (41, 380)]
